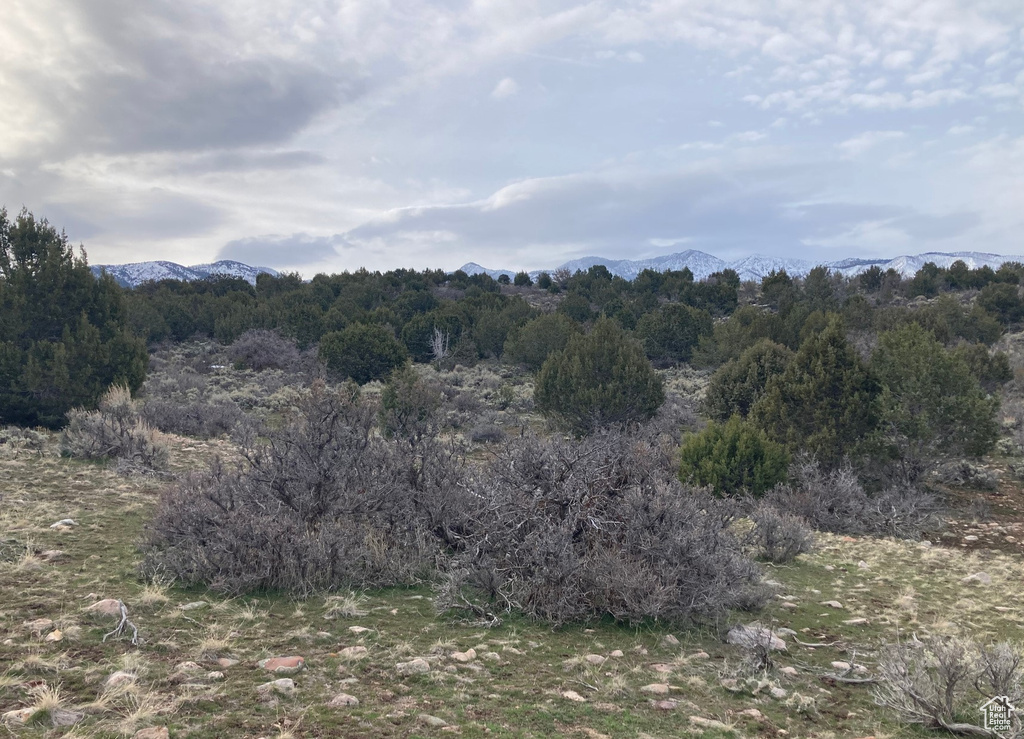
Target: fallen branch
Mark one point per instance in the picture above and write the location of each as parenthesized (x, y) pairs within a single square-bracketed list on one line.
[(119, 631)]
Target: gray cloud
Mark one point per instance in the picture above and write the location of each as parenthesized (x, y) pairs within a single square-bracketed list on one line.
[(282, 251)]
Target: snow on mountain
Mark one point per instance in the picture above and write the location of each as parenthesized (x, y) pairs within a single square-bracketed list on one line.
[(472, 268), (757, 266), (135, 273), (909, 265)]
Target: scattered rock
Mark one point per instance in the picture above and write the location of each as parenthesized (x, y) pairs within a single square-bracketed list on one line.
[(669, 640), (343, 700), (39, 626), (752, 713), (513, 650), (359, 630), (18, 716), (700, 655), (108, 608), (595, 659), (283, 686), (572, 695), (193, 606), (119, 678), (226, 662), (662, 668), (50, 555), (153, 732), (432, 720), (731, 684), (64, 717), (188, 667), (790, 604), (925, 544), (970, 537), (665, 705), (491, 657), (468, 656), (215, 675), (655, 689), (283, 665), (356, 652), (616, 654), (63, 523), (754, 634), (418, 666), (787, 670), (863, 565), (778, 693), (840, 665), (979, 578), (55, 636), (832, 604), (856, 621), (708, 723)]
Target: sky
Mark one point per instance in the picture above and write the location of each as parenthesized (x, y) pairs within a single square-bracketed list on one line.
[(328, 135)]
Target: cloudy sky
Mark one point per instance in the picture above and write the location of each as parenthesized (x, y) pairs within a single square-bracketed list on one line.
[(323, 135)]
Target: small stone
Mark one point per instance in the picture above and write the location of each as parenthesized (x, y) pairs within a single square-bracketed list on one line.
[(283, 686), (120, 678), (153, 732), (655, 689), (108, 608), (343, 700), (572, 695), (39, 626), (225, 662), (50, 555), (778, 693), (60, 717), (790, 604), (18, 716), (863, 565), (752, 713), (832, 604), (925, 544), (708, 723), (839, 665), (513, 650), (357, 630), (787, 670), (215, 675), (491, 657), (418, 666), (468, 656), (595, 659), (616, 654), (54, 636), (188, 667), (662, 668), (669, 640), (700, 655), (432, 720), (970, 537), (754, 634), (665, 705), (193, 606), (356, 652), (64, 522), (855, 621), (980, 578), (731, 684), (283, 665)]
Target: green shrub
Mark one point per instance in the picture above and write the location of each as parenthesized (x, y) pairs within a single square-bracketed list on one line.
[(535, 341), (672, 331), (738, 383), (523, 280), (733, 458), (362, 353), (600, 379)]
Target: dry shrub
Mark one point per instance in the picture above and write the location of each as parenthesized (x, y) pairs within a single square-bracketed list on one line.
[(319, 504), (567, 530), (204, 419), (779, 537), (835, 501), (260, 349), (116, 431), (940, 683)]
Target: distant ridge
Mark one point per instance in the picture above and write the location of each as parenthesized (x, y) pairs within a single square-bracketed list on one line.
[(136, 273), (757, 266)]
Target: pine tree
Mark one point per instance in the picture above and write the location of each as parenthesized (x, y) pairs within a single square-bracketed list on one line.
[(737, 384), (733, 458), (64, 336)]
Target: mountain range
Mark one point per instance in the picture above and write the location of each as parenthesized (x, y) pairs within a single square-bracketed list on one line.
[(700, 263), (757, 266), (134, 274)]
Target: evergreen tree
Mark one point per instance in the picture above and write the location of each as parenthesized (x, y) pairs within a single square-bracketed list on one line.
[(733, 458), (672, 331), (64, 336), (825, 402), (599, 379), (362, 352), (736, 385)]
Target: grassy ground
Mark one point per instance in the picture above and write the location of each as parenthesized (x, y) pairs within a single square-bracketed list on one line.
[(525, 680)]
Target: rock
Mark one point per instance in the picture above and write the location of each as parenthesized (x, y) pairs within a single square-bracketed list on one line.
[(50, 555), (215, 675), (64, 522), (665, 705), (283, 686), (513, 650), (432, 720), (662, 668), (119, 678), (225, 662), (572, 695), (669, 640), (418, 666), (752, 713), (357, 630), (787, 670), (18, 716), (863, 565), (108, 608), (343, 700), (700, 655), (655, 689), (970, 537), (754, 634), (283, 665), (188, 666), (856, 621), (783, 631), (925, 544), (616, 654), (778, 693), (356, 652), (731, 684), (38, 627), (491, 657), (708, 723), (55, 636), (153, 732), (790, 604), (64, 717), (978, 578), (840, 665), (832, 604), (595, 659), (193, 606), (468, 656)]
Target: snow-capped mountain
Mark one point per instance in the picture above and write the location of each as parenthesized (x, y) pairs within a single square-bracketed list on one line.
[(757, 266), (135, 273)]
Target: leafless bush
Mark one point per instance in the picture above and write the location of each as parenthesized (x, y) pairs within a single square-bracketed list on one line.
[(319, 504), (836, 502), (200, 418), (779, 537), (568, 530), (114, 431), (966, 474), (486, 433), (260, 349), (940, 683)]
